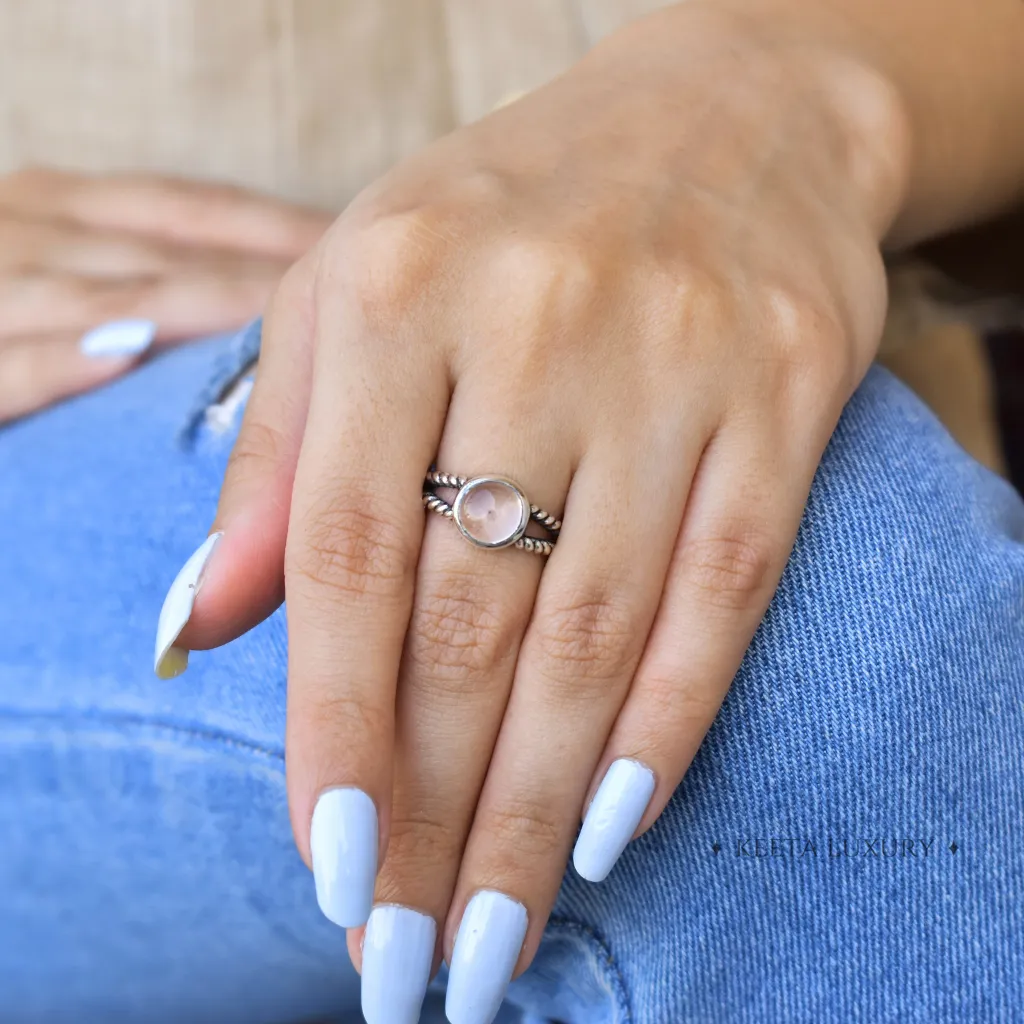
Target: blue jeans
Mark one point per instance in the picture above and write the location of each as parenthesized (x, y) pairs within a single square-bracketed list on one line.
[(848, 844)]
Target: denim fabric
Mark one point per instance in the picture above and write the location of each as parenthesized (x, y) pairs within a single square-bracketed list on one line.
[(147, 870)]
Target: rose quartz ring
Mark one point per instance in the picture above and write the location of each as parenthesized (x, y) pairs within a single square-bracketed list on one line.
[(491, 512)]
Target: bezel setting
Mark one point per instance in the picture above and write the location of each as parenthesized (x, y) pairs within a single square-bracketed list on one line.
[(468, 489)]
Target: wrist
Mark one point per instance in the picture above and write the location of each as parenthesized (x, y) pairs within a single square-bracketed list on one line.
[(785, 76), (875, 127), (953, 73)]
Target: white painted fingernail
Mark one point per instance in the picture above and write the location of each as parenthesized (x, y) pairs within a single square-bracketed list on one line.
[(119, 338), (612, 817), (171, 661), (487, 947), (398, 952), (343, 844)]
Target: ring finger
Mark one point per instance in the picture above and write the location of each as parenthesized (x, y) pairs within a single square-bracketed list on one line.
[(470, 612)]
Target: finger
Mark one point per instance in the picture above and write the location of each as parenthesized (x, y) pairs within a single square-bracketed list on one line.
[(470, 612), (245, 582), (72, 249), (192, 302), (376, 409), (192, 213), (736, 537), (596, 602), (39, 370), (28, 244)]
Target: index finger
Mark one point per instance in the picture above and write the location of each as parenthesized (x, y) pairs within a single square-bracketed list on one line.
[(376, 414)]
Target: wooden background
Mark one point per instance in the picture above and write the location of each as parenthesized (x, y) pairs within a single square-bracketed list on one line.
[(307, 99)]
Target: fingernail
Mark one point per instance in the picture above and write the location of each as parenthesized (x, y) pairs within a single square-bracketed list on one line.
[(398, 952), (612, 817), (119, 338), (171, 661), (343, 843), (487, 947)]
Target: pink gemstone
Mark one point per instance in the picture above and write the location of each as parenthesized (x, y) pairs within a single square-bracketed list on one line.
[(491, 512)]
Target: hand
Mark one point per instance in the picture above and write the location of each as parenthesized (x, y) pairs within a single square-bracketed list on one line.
[(645, 293), (92, 270)]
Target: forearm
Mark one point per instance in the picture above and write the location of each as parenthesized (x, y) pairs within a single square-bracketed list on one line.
[(957, 68)]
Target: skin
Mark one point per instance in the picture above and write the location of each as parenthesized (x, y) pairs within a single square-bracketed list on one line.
[(79, 251), (644, 292)]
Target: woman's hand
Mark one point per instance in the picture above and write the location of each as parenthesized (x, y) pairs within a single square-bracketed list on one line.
[(644, 293), (94, 269)]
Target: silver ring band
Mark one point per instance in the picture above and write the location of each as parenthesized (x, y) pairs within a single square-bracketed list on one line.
[(491, 512)]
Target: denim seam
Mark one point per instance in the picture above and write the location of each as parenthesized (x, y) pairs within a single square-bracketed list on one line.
[(105, 718), (604, 958)]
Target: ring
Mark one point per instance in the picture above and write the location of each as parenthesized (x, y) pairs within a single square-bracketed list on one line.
[(491, 512)]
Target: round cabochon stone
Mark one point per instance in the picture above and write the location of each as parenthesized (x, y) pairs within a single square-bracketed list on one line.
[(491, 512)]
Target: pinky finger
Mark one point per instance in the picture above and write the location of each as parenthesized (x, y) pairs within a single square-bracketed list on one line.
[(736, 536), (38, 370)]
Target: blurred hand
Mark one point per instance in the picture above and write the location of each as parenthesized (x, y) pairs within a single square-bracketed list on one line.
[(94, 269), (645, 293)]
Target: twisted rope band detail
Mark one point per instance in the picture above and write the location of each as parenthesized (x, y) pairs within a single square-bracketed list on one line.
[(451, 510)]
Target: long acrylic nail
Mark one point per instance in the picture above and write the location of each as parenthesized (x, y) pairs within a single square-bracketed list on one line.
[(398, 952), (487, 947), (612, 817), (170, 661), (343, 843), (119, 338)]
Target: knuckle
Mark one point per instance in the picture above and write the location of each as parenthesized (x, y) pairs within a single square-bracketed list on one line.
[(335, 719), (260, 445), (589, 637), (809, 339), (790, 318), (420, 847), (732, 569), (672, 697), (553, 279), (660, 686), (529, 828), (704, 297), (428, 833), (347, 544), (385, 266), (458, 632)]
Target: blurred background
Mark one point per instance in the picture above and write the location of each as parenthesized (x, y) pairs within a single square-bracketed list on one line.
[(310, 99)]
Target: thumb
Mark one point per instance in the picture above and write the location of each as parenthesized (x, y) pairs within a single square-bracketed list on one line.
[(235, 579)]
